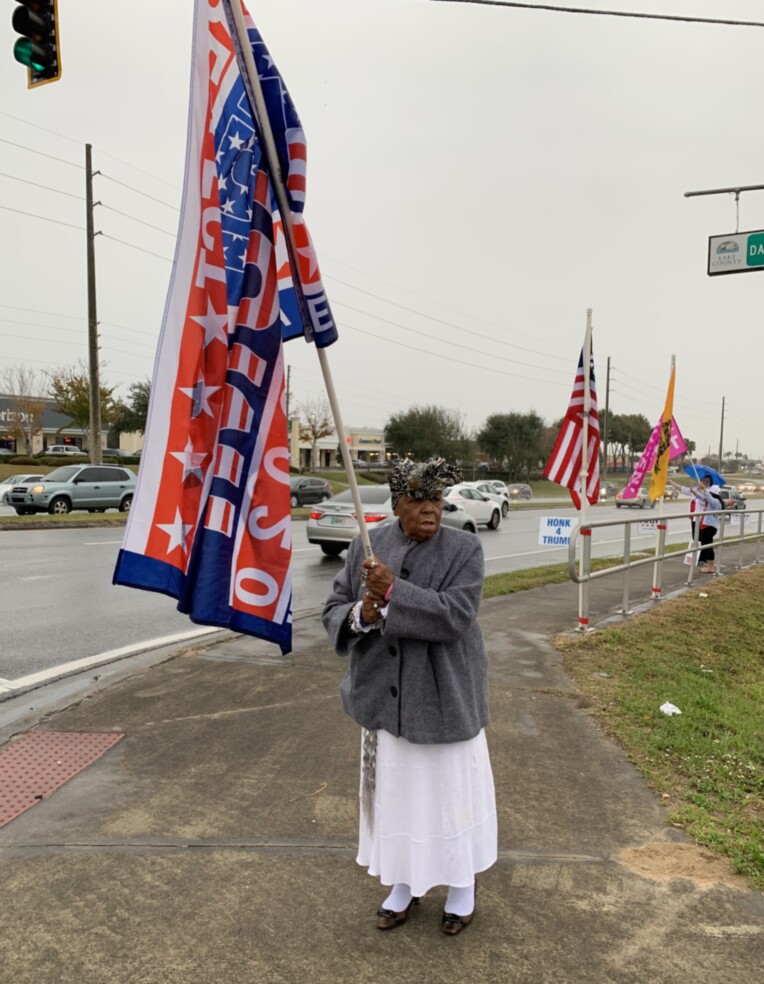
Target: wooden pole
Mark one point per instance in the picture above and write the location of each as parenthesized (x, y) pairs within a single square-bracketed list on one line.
[(93, 367), (252, 84)]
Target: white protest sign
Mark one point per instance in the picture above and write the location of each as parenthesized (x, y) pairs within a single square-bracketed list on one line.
[(554, 531), (648, 525)]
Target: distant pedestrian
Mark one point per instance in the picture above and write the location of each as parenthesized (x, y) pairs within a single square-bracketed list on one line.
[(704, 496), (417, 685)]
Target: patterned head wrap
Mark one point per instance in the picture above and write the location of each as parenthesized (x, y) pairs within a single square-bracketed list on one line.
[(422, 479)]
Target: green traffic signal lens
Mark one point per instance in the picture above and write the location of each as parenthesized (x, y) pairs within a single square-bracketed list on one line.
[(31, 55)]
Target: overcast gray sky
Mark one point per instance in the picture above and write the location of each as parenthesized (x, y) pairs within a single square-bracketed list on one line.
[(478, 177)]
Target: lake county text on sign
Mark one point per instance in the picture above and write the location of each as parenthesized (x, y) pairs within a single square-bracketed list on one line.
[(738, 252)]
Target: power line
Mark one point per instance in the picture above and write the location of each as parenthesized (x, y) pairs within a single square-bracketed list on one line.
[(19, 119), (137, 191), (148, 174), (441, 321), (45, 218), (459, 362), (681, 18), (50, 157), (53, 314), (133, 218), (68, 194), (445, 341), (133, 246)]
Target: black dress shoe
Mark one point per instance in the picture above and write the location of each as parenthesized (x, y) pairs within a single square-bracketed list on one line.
[(452, 924), (387, 919)]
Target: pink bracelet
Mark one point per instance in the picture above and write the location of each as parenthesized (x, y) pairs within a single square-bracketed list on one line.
[(389, 591)]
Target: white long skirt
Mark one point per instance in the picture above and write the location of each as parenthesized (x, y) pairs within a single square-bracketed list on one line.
[(434, 814)]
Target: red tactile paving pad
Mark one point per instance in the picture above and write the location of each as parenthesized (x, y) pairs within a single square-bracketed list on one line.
[(36, 765)]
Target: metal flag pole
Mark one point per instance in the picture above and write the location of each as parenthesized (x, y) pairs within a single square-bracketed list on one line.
[(586, 535), (252, 84)]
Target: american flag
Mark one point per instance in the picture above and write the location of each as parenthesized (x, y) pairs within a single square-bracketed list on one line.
[(564, 465), (210, 522)]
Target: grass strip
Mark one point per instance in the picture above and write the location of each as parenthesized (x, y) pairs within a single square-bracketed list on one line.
[(704, 653)]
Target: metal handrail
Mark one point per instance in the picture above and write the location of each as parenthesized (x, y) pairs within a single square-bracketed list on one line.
[(579, 558)]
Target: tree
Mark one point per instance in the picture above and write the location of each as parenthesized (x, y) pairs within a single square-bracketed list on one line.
[(133, 413), (426, 432), (315, 422), (515, 439), (26, 390), (70, 388)]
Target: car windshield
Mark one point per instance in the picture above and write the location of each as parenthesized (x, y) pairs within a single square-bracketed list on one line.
[(374, 494), (62, 474)]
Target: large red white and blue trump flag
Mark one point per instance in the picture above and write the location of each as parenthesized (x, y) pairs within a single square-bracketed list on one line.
[(210, 522)]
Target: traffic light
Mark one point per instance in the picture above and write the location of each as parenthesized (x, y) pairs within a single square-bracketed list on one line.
[(37, 48)]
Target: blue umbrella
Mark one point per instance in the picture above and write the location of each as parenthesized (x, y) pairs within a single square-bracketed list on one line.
[(699, 472)]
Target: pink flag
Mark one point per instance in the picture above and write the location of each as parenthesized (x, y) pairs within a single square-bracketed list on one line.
[(647, 459)]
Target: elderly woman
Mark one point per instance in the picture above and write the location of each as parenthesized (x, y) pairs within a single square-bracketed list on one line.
[(417, 685), (704, 497)]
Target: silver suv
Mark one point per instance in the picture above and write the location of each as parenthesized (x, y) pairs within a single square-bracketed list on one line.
[(92, 487)]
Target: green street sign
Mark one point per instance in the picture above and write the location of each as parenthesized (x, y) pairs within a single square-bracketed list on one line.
[(738, 252)]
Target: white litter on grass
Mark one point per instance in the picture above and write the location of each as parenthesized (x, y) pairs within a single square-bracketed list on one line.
[(702, 594), (670, 709)]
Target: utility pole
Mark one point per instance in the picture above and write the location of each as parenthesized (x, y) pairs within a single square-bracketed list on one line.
[(604, 428), (95, 384), (721, 436)]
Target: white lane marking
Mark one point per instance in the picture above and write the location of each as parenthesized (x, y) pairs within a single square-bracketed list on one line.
[(39, 577), (77, 665)]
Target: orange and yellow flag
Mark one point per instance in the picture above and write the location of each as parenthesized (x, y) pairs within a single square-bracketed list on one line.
[(660, 467)]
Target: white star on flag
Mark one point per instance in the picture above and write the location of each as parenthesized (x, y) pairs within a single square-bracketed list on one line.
[(200, 397), (177, 532), (215, 325), (191, 461), (236, 142)]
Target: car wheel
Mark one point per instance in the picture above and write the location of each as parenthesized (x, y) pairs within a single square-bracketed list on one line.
[(495, 520), (59, 506), (504, 508), (618, 505), (469, 528), (294, 502), (332, 549), (124, 506), (23, 512), (325, 496)]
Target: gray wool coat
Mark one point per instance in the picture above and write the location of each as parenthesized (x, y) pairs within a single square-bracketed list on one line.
[(423, 676)]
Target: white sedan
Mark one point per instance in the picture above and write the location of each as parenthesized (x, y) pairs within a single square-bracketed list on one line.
[(490, 492), (483, 510)]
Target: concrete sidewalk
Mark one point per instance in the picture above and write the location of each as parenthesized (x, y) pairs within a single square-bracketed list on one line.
[(215, 843)]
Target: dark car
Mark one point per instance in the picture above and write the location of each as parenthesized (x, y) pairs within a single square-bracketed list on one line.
[(306, 491), (519, 491), (732, 498), (92, 487)]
